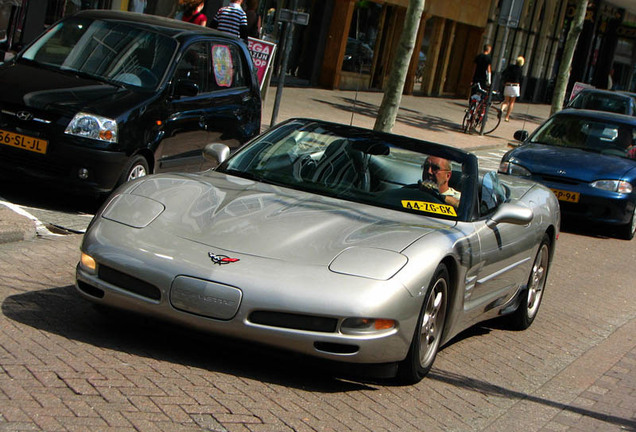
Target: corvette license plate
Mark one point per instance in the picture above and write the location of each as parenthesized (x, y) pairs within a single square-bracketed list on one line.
[(566, 195), (23, 142)]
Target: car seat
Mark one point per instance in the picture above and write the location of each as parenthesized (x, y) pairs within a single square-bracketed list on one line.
[(342, 167)]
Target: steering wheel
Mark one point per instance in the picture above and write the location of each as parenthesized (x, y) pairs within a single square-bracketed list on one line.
[(303, 168), (148, 78), (429, 189)]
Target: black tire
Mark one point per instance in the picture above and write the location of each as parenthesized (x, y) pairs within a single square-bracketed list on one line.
[(494, 118), (531, 297), (627, 231), (137, 167), (429, 330)]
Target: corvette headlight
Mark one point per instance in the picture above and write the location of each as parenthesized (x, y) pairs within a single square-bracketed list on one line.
[(88, 263), (508, 167), (93, 126), (613, 186)]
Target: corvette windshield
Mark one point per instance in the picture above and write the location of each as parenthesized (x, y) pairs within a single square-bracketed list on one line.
[(357, 166), (108, 51), (588, 134)]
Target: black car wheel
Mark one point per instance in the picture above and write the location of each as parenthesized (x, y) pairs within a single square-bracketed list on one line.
[(428, 332), (137, 167), (525, 314)]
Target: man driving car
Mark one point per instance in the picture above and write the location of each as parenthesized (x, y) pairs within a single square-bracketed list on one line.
[(436, 173)]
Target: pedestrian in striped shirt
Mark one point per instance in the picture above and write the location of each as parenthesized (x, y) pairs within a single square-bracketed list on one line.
[(232, 19)]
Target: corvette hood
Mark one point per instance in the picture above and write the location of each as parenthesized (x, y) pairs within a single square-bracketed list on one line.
[(577, 164), (246, 217)]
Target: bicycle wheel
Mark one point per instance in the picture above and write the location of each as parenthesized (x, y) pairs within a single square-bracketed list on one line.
[(493, 120), (468, 123)]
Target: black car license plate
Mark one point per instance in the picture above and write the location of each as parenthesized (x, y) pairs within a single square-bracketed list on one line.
[(23, 142)]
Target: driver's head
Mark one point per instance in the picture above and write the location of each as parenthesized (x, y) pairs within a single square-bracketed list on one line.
[(437, 170)]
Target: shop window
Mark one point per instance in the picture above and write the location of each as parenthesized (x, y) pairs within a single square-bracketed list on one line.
[(363, 34)]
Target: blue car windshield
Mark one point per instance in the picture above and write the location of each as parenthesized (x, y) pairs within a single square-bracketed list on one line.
[(106, 50), (355, 166), (589, 134)]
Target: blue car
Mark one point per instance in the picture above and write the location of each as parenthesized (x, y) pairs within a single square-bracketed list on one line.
[(588, 159)]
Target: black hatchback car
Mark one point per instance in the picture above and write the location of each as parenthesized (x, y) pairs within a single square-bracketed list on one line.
[(103, 97)]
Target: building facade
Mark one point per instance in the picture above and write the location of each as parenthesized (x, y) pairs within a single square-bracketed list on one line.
[(349, 44)]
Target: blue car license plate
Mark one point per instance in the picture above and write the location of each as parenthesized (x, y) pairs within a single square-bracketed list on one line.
[(568, 196)]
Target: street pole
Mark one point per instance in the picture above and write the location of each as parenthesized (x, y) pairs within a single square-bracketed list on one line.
[(283, 72)]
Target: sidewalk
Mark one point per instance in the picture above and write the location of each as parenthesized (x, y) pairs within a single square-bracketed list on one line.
[(427, 118)]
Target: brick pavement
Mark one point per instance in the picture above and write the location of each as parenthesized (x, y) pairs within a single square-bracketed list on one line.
[(66, 366)]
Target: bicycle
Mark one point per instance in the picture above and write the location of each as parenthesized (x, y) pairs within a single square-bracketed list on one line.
[(477, 109)]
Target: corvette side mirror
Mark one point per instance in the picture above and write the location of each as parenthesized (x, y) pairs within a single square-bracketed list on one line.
[(512, 214), (216, 152)]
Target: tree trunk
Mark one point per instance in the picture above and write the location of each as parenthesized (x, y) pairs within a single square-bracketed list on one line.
[(397, 76), (563, 76)]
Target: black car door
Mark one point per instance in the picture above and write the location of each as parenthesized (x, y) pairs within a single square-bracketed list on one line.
[(213, 101), (185, 122), (234, 115)]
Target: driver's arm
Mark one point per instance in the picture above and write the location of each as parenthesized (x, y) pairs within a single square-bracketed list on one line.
[(450, 200)]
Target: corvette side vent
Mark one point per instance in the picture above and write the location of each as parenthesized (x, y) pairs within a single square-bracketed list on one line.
[(294, 321), (90, 289), (128, 283)]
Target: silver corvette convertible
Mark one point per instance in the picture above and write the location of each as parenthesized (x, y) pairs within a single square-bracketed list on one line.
[(328, 240)]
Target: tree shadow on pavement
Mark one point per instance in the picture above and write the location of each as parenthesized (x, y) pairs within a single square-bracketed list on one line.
[(405, 116), (486, 388)]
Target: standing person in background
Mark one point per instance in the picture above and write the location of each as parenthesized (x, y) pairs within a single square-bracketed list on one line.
[(253, 20), (483, 70), (137, 6), (192, 12), (511, 77), (232, 19)]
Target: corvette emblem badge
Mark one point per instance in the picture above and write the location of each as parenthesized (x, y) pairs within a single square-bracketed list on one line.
[(221, 259)]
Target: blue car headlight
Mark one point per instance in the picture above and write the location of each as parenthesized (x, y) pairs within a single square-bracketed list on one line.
[(93, 126), (613, 186), (514, 169)]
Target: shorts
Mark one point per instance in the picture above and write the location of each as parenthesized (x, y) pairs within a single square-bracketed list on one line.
[(511, 90)]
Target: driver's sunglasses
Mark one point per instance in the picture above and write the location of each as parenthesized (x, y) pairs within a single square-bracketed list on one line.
[(433, 167)]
